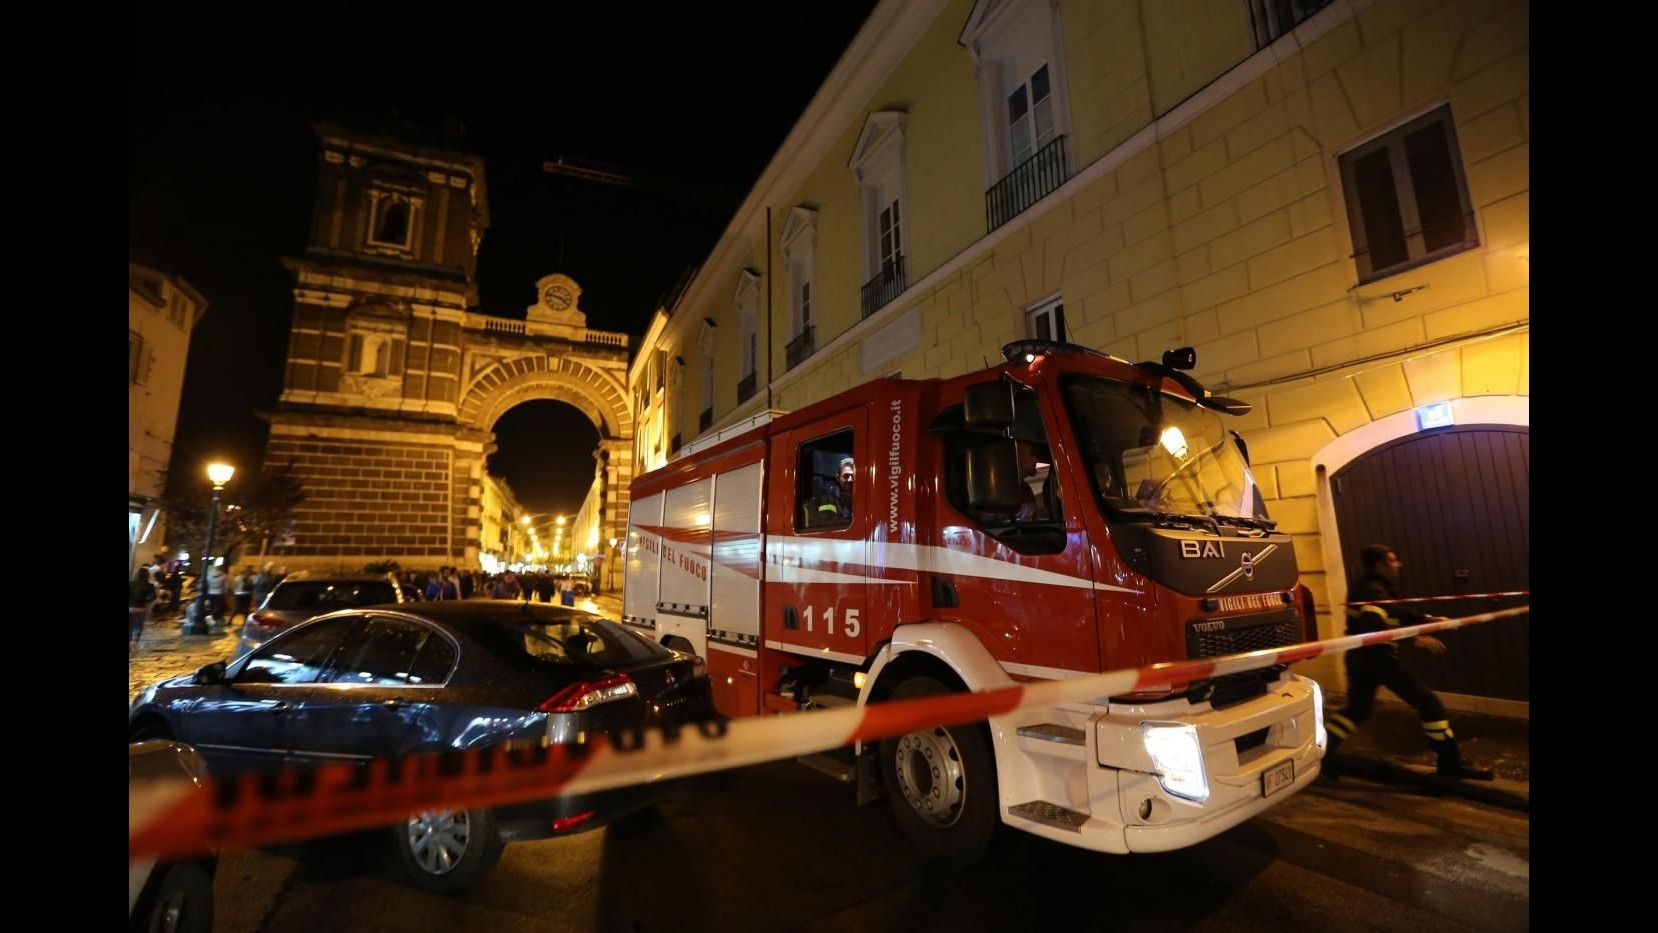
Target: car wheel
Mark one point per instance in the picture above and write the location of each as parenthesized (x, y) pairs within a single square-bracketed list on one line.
[(183, 902), (446, 851), (941, 784)]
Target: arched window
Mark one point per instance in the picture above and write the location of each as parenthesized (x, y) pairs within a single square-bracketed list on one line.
[(391, 227)]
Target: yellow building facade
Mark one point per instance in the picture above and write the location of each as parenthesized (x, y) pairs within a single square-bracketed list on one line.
[(1329, 201)]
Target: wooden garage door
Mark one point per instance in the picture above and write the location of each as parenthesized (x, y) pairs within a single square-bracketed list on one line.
[(1455, 505)]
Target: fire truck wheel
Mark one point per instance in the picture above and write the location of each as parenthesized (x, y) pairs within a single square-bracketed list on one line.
[(941, 784)]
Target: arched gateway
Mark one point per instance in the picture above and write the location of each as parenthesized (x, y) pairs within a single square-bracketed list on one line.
[(394, 384)]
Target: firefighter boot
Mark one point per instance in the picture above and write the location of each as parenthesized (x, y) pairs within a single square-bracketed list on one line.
[(1451, 764), (1328, 771)]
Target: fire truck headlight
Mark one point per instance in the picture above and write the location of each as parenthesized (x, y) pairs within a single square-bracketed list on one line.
[(1320, 737), (1178, 758)]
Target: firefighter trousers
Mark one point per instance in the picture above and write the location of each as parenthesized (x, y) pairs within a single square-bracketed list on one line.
[(1379, 666)]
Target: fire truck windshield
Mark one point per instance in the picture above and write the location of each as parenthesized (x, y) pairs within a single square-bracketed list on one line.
[(1158, 452)]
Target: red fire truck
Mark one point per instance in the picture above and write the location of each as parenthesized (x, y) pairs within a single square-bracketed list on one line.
[(1061, 514)]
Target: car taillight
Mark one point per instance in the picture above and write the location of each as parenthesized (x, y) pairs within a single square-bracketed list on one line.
[(577, 697)]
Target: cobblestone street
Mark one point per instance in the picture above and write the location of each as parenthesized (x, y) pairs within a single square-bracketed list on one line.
[(164, 652)]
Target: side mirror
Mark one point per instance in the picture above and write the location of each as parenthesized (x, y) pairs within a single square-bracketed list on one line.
[(993, 483), (1183, 358), (211, 674), (1243, 447), (988, 405)]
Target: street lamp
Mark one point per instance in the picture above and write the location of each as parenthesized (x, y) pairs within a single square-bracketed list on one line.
[(220, 474)]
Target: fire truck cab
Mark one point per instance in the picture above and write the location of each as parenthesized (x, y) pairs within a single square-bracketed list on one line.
[(1062, 514)]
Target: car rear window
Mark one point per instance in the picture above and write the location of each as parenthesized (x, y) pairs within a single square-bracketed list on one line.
[(586, 642), (321, 596)]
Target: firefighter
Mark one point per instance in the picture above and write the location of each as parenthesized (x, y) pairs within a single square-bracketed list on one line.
[(834, 505), (1378, 666)]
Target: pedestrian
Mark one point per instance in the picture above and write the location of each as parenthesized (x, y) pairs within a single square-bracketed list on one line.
[(506, 586), (242, 587), (140, 597), (567, 591), (444, 587), (1369, 610), (218, 585)]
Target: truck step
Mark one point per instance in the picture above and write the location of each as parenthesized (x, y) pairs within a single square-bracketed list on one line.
[(1053, 732), (830, 764), (1050, 814), (829, 701)]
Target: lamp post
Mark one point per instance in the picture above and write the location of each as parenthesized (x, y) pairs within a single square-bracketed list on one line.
[(220, 474), (614, 556)]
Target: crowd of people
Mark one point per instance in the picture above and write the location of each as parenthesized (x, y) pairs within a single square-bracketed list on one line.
[(456, 583), (158, 590)]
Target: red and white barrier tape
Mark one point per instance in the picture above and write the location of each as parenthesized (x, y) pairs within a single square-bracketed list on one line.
[(1432, 599), (178, 820)]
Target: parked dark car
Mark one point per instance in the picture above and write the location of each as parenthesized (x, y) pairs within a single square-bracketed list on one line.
[(175, 897), (301, 597), (399, 680)]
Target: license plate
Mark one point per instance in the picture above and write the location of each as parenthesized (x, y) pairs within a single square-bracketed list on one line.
[(1278, 777)]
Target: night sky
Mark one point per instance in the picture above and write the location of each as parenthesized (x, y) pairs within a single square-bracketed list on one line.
[(692, 100)]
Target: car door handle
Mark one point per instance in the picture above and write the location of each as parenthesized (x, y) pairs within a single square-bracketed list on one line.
[(394, 704), (281, 707)]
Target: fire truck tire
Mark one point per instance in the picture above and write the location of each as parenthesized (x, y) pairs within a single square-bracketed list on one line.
[(941, 784)]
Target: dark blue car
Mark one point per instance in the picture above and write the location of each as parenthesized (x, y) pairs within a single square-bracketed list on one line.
[(404, 679)]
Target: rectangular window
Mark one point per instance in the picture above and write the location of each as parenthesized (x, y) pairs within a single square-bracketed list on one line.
[(1030, 116), (135, 358), (890, 234), (708, 383), (824, 480), (1407, 197), (805, 304), (1046, 321), (753, 353)]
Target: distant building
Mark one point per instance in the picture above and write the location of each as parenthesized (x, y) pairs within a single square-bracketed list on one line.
[(395, 380), (162, 313)]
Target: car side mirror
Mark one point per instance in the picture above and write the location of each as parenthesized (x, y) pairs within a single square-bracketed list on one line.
[(211, 674), (988, 405), (993, 482)]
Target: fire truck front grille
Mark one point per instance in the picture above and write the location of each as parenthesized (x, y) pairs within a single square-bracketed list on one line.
[(1208, 638)]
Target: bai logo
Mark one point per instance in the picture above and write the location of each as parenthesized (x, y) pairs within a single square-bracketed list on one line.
[(1202, 549)]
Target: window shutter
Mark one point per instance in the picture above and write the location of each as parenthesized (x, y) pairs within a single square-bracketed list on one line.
[(354, 355), (396, 366)]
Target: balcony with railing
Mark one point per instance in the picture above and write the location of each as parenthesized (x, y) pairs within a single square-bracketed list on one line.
[(803, 345), (705, 419), (1034, 179), (887, 285), (747, 387)]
